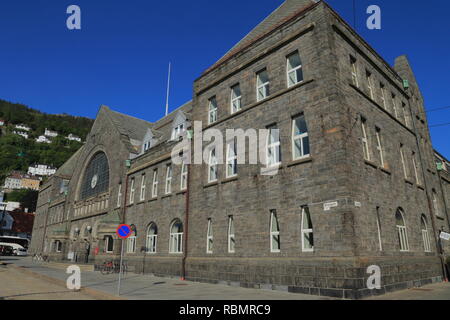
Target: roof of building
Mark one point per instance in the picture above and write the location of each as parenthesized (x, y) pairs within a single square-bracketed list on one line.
[(285, 12), (66, 170), (23, 222)]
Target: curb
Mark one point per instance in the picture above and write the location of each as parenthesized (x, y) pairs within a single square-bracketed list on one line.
[(98, 295)]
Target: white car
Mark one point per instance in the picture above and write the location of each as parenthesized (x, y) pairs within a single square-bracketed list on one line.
[(18, 250)]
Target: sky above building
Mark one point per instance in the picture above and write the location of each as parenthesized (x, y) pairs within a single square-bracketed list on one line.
[(121, 54)]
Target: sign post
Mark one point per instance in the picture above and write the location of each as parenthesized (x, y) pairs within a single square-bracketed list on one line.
[(124, 232)]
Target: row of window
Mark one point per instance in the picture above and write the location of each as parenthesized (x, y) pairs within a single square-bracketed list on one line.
[(389, 103), (294, 74), (403, 234), (176, 236)]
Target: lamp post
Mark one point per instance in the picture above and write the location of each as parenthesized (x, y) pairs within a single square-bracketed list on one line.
[(3, 217)]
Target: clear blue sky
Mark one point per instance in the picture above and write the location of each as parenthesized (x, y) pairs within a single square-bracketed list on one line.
[(121, 55)]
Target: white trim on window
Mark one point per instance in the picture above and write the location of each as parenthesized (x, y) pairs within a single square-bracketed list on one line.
[(300, 138), (379, 146), (394, 106), (294, 70), (273, 156), (184, 174), (406, 115), (232, 159), (231, 235), (152, 238), (380, 243), (168, 188), (119, 196), (435, 203), (354, 71), (131, 244), (402, 158), (416, 169), (142, 195), (212, 110), (365, 140), (177, 131), (155, 184), (212, 166), (383, 96), (370, 84), (132, 190), (275, 244), (176, 237), (236, 98), (262, 85), (425, 234), (108, 240), (401, 230), (209, 238), (307, 233)]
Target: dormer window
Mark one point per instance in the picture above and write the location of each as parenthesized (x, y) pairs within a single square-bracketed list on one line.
[(178, 131), (147, 145)]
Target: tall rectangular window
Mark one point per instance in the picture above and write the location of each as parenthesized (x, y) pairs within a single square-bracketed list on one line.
[(380, 244), (403, 160), (132, 190), (273, 146), (184, 175), (416, 169), (274, 232), (119, 196), (209, 238), (369, 84), (155, 184), (142, 195), (294, 69), (262, 85), (300, 138), (394, 106), (365, 139), (307, 231), (383, 96), (354, 71), (406, 115), (379, 146), (169, 179), (232, 158), (231, 237), (212, 166), (236, 98), (212, 113), (131, 244)]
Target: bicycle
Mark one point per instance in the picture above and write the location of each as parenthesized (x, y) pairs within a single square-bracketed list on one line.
[(107, 268)]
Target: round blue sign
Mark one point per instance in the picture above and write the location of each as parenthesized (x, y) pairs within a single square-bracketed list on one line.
[(123, 231)]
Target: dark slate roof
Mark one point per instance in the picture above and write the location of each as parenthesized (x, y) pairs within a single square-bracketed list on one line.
[(132, 127), (67, 169), (283, 13)]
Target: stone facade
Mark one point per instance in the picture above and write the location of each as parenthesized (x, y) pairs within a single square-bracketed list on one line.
[(351, 194)]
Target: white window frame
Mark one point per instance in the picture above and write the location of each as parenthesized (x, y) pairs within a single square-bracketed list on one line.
[(212, 110), (305, 211), (108, 239), (132, 191), (231, 235), (406, 115), (236, 101), (402, 234), (212, 166), (177, 131), (175, 241), (169, 174), (209, 238), (300, 137), (405, 167), (435, 203), (394, 105), (380, 243), (379, 146), (261, 85), (425, 234), (232, 157), (354, 67), (151, 240), (142, 195), (155, 184), (273, 149), (370, 84), (131, 244), (293, 70), (383, 96), (183, 175), (119, 196), (276, 233), (416, 169), (365, 140)]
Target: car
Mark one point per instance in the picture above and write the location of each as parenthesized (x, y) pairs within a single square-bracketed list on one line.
[(6, 250), (17, 249)]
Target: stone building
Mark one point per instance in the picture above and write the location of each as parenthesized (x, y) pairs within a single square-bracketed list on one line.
[(354, 183)]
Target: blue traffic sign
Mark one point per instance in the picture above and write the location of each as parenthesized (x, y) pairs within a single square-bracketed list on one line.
[(124, 231)]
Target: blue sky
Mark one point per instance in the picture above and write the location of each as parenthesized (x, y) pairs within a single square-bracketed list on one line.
[(121, 55)]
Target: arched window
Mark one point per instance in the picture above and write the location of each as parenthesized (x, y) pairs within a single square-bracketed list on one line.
[(131, 241), (425, 235), (231, 237), (274, 232), (152, 237), (209, 238), (435, 203), (176, 237), (401, 229), (307, 231), (96, 177)]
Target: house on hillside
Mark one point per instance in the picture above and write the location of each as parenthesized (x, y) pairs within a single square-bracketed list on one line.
[(49, 133), (41, 170), (22, 127), (22, 134), (13, 181), (43, 139), (2, 122), (73, 137)]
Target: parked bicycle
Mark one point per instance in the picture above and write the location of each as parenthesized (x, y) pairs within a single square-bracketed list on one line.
[(110, 266)]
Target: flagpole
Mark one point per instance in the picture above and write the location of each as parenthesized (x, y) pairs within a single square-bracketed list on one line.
[(168, 91)]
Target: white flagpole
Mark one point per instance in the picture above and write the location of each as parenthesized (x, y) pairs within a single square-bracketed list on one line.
[(168, 91)]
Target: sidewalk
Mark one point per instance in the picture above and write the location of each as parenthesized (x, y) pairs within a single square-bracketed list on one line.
[(146, 287)]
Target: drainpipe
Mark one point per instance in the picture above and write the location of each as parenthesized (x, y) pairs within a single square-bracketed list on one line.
[(186, 223), (432, 214)]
